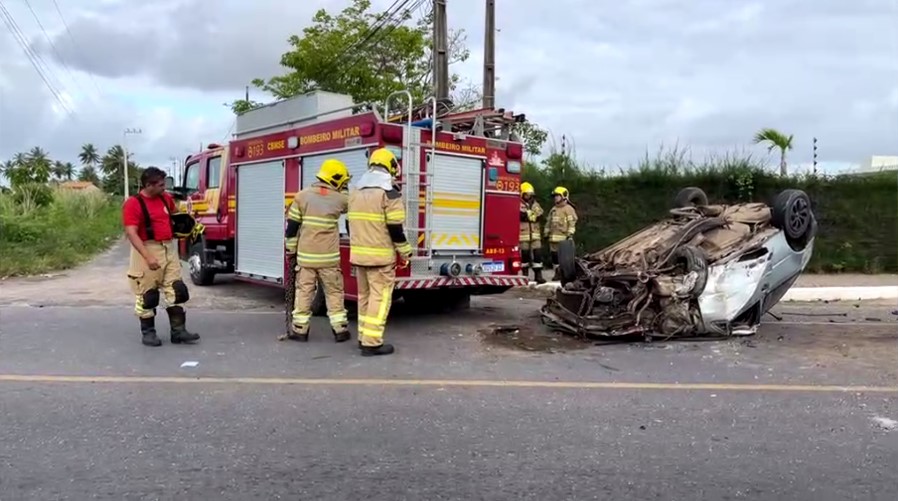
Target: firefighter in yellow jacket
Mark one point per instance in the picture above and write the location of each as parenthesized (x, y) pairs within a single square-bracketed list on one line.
[(313, 234), (376, 216), (560, 224), (530, 237)]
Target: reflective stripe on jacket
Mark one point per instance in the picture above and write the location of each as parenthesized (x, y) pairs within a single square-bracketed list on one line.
[(317, 209), (561, 223), (371, 209), (531, 212)]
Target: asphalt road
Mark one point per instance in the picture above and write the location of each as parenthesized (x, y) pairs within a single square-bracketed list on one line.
[(478, 404)]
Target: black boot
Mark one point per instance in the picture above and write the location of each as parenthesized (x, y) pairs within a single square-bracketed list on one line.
[(538, 276), (177, 317), (148, 329), (342, 336), (384, 349)]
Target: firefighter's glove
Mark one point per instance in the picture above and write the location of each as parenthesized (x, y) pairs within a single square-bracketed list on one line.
[(531, 216), (290, 245)]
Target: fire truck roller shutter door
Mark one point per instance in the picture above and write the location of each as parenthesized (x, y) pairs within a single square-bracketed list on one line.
[(457, 202), (261, 219), (356, 163)]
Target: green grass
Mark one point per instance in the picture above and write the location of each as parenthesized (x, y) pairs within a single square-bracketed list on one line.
[(43, 230)]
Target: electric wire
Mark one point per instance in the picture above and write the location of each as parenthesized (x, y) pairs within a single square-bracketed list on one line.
[(75, 44), (33, 57)]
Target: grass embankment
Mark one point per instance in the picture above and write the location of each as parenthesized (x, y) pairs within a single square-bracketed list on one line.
[(44, 230)]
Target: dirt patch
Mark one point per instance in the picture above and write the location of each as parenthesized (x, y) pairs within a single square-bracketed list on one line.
[(530, 337), (529, 292)]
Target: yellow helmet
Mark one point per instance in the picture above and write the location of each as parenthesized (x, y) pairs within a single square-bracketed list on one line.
[(385, 158), (334, 173), (527, 188), (561, 190)]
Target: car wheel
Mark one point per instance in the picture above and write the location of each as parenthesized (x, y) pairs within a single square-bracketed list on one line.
[(200, 274), (690, 197), (319, 304), (793, 215), (692, 259), (567, 261)]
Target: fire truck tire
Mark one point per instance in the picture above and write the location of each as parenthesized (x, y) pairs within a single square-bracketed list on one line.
[(319, 305), (200, 274)]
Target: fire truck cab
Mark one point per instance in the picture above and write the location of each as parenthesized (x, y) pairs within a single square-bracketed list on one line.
[(459, 176)]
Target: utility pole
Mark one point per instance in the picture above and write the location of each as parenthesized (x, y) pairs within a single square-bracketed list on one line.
[(815, 156), (440, 51), (125, 157), (489, 56)]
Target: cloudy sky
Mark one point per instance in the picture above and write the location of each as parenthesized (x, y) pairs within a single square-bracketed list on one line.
[(619, 77)]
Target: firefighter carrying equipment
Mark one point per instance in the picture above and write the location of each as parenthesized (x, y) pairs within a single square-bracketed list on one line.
[(385, 158), (313, 235), (376, 216), (183, 225), (561, 190), (334, 173), (145, 285)]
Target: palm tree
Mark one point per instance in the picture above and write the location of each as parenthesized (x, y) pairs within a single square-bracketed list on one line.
[(57, 170), (89, 156), (777, 140), (68, 171), (89, 174), (39, 164)]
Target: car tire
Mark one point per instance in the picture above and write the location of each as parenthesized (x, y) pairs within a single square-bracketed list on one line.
[(319, 303), (200, 274), (693, 260), (567, 261), (690, 197), (792, 214)]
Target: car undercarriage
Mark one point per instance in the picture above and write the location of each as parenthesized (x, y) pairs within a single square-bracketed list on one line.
[(705, 270)]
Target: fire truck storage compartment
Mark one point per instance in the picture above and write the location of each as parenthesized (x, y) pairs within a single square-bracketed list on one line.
[(260, 220), (456, 204), (356, 162)]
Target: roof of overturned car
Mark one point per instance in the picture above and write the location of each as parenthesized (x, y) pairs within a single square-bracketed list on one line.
[(706, 269)]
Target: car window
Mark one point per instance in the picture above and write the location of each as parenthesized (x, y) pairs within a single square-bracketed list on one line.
[(213, 173), (192, 176)]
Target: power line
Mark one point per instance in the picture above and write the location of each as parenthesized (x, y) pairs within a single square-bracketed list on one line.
[(75, 44), (53, 46), (369, 33), (357, 58), (32, 56)]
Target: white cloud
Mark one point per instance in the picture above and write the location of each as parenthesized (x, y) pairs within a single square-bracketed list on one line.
[(617, 77)]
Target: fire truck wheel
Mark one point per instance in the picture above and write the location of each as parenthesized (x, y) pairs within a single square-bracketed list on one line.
[(319, 305), (200, 274)]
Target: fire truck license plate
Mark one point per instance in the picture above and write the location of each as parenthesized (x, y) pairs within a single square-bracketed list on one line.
[(494, 267)]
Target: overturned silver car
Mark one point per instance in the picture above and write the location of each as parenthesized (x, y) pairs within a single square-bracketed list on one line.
[(705, 270)]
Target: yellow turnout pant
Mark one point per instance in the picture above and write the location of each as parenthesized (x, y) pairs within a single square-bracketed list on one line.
[(332, 281), (375, 297), (146, 283)]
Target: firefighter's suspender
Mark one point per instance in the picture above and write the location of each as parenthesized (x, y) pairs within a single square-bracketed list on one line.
[(151, 235)]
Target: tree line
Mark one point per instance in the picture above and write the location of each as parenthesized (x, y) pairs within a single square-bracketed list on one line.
[(36, 166)]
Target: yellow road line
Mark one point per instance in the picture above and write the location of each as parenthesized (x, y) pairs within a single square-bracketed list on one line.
[(585, 385)]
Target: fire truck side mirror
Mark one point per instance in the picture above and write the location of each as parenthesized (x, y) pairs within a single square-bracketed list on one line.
[(169, 183)]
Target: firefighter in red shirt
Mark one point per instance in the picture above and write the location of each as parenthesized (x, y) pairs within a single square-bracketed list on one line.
[(155, 264)]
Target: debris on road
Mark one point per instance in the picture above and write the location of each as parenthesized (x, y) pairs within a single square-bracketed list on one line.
[(705, 270), (190, 363), (885, 423)]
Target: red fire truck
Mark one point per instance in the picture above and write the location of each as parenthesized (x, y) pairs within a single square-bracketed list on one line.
[(459, 176)]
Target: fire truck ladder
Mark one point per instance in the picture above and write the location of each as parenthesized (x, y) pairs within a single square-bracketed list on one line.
[(412, 176), (485, 122)]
